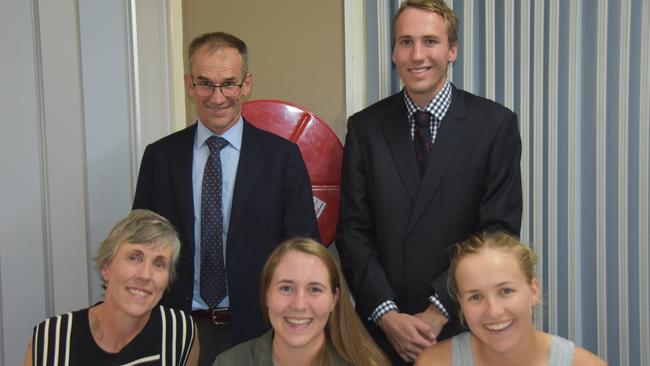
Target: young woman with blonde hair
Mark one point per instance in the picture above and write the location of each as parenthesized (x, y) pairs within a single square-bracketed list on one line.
[(307, 303), (492, 277)]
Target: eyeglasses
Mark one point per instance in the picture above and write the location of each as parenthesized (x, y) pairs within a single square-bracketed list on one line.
[(205, 88)]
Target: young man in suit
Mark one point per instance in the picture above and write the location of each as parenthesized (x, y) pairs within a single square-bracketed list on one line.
[(422, 169), (232, 191)]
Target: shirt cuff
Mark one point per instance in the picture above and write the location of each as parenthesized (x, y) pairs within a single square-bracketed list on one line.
[(433, 299), (382, 309)]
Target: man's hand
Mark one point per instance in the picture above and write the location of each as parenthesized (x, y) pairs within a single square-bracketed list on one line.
[(432, 316), (408, 334)]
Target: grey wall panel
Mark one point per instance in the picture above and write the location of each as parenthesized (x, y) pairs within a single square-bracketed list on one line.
[(64, 152), (106, 75), (22, 238)]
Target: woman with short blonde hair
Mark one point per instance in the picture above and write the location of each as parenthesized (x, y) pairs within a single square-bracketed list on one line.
[(136, 263)]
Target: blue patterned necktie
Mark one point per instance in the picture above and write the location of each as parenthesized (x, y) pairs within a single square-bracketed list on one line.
[(213, 272), (422, 139)]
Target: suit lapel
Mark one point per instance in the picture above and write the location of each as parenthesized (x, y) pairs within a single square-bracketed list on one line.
[(181, 161), (398, 137), (448, 140), (248, 168)]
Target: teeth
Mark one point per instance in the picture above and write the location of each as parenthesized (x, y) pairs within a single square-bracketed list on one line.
[(298, 321), (137, 292), (498, 326)]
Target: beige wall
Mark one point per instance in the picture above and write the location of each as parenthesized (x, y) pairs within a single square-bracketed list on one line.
[(296, 49)]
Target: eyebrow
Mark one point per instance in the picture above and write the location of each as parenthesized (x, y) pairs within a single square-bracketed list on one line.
[(500, 284), (284, 281), (224, 80), (293, 282), (469, 292), (134, 251)]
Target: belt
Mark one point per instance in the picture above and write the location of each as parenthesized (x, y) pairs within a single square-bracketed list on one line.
[(217, 316)]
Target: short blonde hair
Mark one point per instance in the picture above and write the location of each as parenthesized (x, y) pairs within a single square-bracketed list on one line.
[(525, 256), (501, 240), (437, 6), (140, 227)]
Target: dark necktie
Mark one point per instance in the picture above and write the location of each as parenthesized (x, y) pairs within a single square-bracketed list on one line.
[(213, 273), (422, 139)]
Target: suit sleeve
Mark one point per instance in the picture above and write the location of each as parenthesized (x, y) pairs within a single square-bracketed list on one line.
[(299, 216), (356, 239), (501, 203), (441, 290), (144, 186)]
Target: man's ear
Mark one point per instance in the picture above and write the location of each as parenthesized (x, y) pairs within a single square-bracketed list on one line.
[(189, 89), (453, 52), (248, 85)]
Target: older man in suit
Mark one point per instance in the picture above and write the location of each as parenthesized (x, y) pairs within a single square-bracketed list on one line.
[(422, 169), (233, 192)]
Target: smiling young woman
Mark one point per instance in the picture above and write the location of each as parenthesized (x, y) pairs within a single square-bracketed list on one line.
[(305, 300), (492, 277)]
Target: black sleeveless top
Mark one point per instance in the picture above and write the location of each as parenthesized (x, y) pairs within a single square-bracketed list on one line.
[(66, 340)]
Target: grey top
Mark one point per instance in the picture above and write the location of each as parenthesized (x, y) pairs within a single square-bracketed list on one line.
[(561, 353), (259, 351)]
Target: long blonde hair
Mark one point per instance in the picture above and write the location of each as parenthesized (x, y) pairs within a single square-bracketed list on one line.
[(344, 330)]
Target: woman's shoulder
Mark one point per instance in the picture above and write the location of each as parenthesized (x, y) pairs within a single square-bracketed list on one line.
[(438, 354), (252, 352), (582, 357), (335, 358), (62, 320), (175, 315), (56, 332)]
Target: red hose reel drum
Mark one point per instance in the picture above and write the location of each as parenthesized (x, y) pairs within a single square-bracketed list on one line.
[(320, 147)]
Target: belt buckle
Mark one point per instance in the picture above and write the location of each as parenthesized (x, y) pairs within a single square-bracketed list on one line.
[(215, 313)]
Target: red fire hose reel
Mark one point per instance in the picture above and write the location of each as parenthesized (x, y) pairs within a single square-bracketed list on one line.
[(320, 147)]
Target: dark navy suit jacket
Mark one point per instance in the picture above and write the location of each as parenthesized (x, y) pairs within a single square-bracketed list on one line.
[(272, 201)]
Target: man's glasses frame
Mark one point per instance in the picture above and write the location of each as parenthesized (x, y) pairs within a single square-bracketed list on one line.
[(205, 88)]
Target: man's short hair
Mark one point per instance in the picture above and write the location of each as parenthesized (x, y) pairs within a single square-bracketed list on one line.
[(215, 41), (437, 6)]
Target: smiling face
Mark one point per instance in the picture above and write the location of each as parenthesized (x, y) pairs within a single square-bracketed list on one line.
[(299, 301), (136, 278), (224, 65), (496, 299), (422, 53)]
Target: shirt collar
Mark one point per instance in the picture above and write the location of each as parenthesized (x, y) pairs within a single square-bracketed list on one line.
[(437, 106), (233, 135)]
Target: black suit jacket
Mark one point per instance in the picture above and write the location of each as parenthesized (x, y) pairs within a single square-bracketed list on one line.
[(395, 229), (272, 201)]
